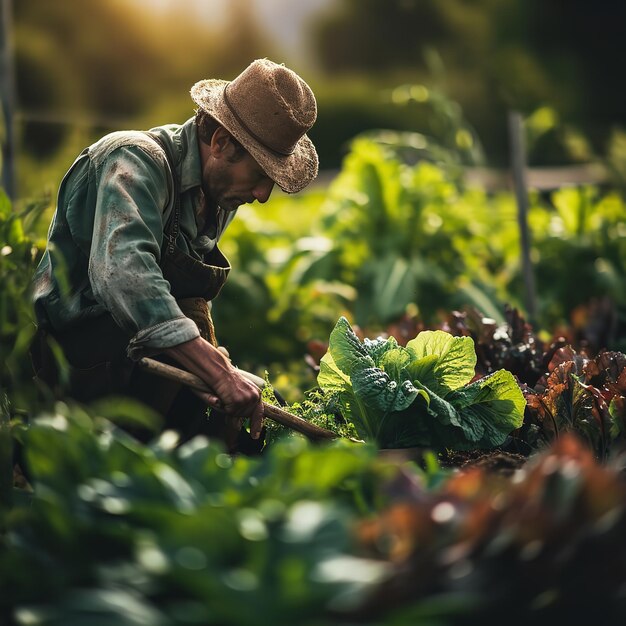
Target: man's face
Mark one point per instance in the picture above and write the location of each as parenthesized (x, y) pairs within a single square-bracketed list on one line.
[(229, 182)]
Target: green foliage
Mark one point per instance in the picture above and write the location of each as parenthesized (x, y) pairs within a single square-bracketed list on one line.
[(396, 238), (161, 534), (579, 251), (419, 395), (407, 235), (371, 205), (318, 409), (19, 253), (277, 296), (126, 533)]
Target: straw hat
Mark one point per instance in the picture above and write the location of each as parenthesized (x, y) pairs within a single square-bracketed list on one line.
[(268, 108)]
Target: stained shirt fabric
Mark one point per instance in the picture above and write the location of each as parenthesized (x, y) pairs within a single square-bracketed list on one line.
[(105, 239)]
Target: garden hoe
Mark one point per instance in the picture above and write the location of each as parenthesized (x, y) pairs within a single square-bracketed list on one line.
[(313, 432)]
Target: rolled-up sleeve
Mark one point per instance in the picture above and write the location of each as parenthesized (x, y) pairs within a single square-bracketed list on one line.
[(132, 195)]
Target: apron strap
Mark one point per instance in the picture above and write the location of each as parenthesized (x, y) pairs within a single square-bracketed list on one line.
[(171, 230)]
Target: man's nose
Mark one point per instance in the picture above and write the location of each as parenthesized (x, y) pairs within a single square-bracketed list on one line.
[(263, 191)]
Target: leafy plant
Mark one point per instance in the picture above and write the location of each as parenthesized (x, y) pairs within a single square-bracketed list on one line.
[(582, 395), (512, 345), (125, 533), (543, 547), (401, 236), (579, 257), (421, 394), (271, 283), (19, 252), (387, 238)]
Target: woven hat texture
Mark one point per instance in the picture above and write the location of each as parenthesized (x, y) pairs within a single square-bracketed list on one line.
[(269, 109)]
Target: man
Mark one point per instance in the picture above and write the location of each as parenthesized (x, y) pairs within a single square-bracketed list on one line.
[(132, 257)]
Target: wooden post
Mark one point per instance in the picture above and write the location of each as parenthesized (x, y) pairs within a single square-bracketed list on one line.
[(518, 166), (7, 95)]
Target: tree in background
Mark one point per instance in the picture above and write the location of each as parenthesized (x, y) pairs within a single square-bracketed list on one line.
[(73, 64), (243, 40), (114, 65), (120, 63), (497, 54)]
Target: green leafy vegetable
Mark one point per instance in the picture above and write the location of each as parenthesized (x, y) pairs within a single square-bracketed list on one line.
[(443, 362), (421, 394)]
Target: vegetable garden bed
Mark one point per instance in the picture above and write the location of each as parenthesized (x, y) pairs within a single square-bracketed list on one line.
[(339, 532), (451, 530)]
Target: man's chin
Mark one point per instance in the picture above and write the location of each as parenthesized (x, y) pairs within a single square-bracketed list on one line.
[(230, 205)]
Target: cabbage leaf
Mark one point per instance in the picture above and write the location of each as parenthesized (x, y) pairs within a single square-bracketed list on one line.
[(421, 394)]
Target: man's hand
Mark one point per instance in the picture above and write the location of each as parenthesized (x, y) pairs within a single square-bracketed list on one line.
[(234, 395)]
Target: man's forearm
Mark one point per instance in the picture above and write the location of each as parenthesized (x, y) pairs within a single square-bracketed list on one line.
[(236, 395), (201, 358)]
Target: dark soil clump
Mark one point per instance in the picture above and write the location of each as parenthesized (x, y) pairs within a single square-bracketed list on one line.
[(496, 461)]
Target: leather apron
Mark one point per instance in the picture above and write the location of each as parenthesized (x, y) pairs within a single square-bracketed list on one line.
[(96, 348)]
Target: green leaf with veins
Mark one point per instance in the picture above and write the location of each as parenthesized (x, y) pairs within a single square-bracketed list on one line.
[(453, 367), (419, 395)]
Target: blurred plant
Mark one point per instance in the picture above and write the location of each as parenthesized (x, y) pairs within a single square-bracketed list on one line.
[(405, 235), (400, 236), (451, 141), (273, 303), (19, 253), (168, 534), (616, 158), (482, 548), (579, 254), (549, 141)]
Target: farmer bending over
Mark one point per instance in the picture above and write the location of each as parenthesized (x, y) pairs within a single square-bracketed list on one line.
[(133, 263)]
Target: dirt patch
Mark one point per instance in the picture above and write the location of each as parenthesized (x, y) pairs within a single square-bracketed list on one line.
[(496, 461)]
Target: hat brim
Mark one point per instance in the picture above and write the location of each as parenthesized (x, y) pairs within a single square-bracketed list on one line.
[(291, 173)]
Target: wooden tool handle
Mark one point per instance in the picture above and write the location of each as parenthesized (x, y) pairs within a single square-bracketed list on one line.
[(272, 412)]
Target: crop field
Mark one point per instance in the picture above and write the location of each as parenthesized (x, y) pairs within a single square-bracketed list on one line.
[(477, 473)]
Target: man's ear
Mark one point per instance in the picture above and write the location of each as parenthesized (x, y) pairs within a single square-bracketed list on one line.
[(220, 142)]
